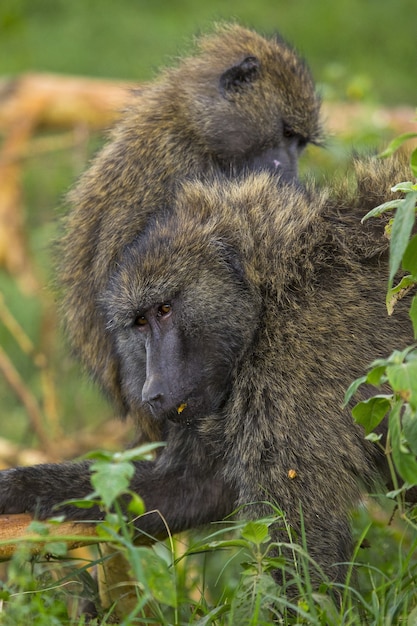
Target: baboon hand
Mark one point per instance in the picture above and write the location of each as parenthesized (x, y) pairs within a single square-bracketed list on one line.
[(15, 497), (41, 489)]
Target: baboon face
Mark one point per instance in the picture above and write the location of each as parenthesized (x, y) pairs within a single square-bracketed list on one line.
[(259, 113), (266, 140), (178, 331)]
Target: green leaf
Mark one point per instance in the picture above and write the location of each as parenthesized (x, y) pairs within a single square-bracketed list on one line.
[(405, 187), (255, 532), (352, 389), (396, 143), (213, 546), (373, 437), (376, 376), (410, 256), (86, 503), (396, 293), (99, 455), (405, 462), (399, 356), (409, 421), (370, 413), (413, 315), (136, 504), (413, 162), (396, 492), (110, 480), (401, 230), (39, 528), (132, 454), (113, 521), (144, 452), (156, 575), (382, 208), (57, 548), (405, 282), (403, 380), (106, 532)]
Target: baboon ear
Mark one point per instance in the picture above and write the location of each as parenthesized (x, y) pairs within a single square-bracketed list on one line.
[(236, 77)]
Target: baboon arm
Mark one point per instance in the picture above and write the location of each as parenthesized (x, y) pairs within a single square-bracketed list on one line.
[(40, 489), (184, 497)]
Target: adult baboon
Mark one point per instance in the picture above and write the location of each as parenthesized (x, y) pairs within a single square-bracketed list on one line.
[(242, 102), (239, 317)]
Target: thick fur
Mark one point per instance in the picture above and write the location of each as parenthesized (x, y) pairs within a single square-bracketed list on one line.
[(288, 287), (219, 110)]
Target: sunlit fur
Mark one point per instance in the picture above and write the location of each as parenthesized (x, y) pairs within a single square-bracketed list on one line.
[(287, 288)]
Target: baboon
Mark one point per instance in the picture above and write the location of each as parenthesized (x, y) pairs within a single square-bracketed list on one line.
[(239, 318), (241, 102)]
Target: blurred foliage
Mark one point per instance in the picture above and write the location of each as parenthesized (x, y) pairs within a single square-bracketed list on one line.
[(356, 49)]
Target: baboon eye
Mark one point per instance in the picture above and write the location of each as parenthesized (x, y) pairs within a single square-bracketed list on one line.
[(164, 309), (140, 320), (288, 132)]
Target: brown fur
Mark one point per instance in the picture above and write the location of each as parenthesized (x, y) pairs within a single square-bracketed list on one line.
[(288, 287), (179, 126), (316, 280)]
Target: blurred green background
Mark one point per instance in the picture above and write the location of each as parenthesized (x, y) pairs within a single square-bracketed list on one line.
[(373, 41), (359, 50)]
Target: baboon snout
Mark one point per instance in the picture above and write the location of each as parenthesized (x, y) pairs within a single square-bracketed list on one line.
[(153, 390)]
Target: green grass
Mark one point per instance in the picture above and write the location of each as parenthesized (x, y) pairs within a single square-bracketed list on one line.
[(223, 577)]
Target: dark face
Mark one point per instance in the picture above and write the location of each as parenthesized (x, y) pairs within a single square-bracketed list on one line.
[(184, 375), (178, 355), (282, 159), (265, 114)]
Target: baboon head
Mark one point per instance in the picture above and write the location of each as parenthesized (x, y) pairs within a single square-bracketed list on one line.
[(254, 100), (181, 314)]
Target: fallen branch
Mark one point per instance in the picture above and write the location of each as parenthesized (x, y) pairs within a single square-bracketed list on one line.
[(25, 396), (57, 101), (116, 585), (14, 529), (28, 103)]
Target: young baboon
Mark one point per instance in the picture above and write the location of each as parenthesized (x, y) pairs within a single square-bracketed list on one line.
[(242, 102), (239, 317)]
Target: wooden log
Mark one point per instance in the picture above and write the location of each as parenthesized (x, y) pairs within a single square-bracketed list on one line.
[(117, 588), (27, 103), (15, 528), (57, 101)]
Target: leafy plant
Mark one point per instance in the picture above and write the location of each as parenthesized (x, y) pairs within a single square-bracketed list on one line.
[(399, 370)]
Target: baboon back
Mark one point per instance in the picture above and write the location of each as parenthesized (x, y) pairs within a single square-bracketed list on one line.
[(238, 319)]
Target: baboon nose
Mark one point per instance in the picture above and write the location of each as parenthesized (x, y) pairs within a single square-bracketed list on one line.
[(152, 390)]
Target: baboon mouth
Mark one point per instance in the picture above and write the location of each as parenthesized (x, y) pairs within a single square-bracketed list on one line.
[(175, 414)]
